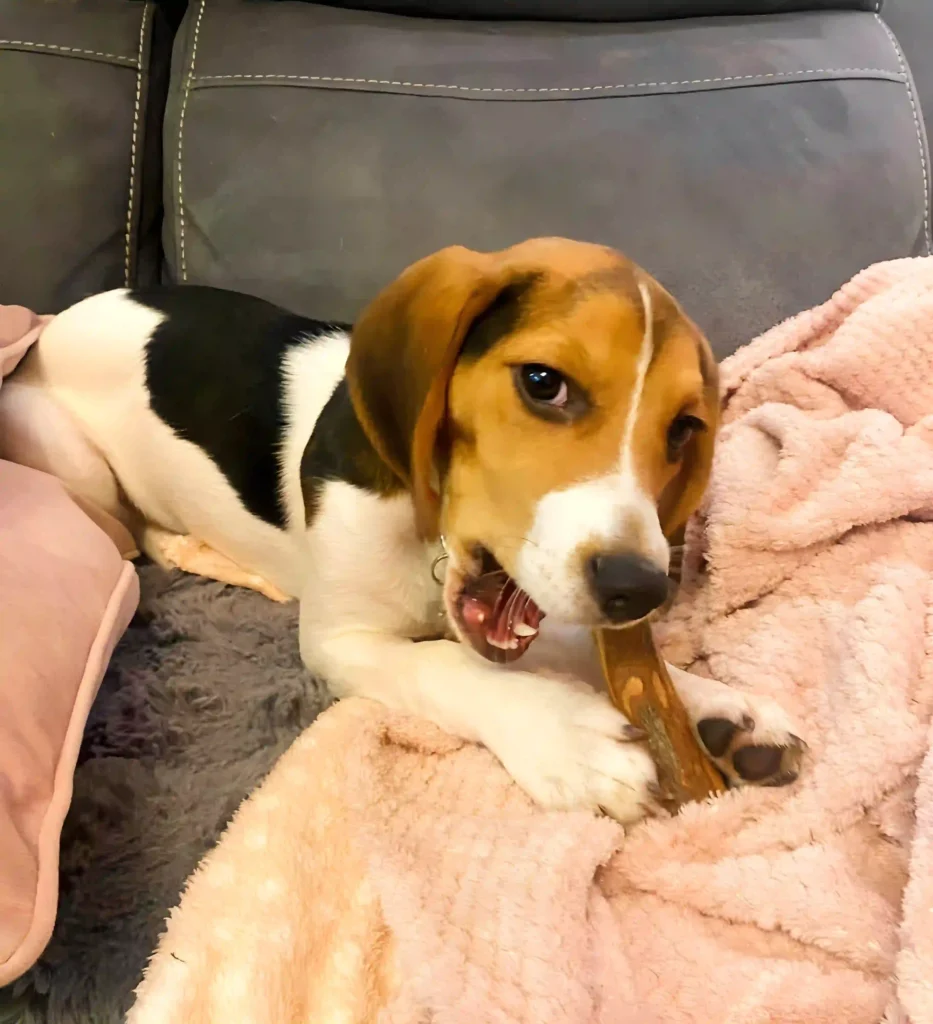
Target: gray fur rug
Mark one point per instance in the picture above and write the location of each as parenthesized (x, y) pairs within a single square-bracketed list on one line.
[(203, 694)]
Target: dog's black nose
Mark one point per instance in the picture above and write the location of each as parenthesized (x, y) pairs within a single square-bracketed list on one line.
[(627, 587)]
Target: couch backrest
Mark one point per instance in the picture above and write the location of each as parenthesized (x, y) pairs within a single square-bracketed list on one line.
[(599, 10), (312, 151), (753, 165)]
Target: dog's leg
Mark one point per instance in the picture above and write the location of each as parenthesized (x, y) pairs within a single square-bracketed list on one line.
[(39, 432), (565, 745), (173, 550), (725, 720), (750, 739)]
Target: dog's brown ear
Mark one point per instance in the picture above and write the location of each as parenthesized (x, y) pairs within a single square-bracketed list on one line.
[(403, 352), (682, 496)]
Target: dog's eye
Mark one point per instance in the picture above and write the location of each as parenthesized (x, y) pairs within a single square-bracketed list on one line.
[(679, 433), (543, 385)]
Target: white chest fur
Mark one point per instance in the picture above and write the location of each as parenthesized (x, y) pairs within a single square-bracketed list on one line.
[(369, 565)]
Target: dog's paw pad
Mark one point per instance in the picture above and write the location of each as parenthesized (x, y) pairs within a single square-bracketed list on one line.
[(717, 734), (750, 756)]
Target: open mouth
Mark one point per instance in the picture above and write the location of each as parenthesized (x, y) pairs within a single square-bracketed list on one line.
[(496, 617)]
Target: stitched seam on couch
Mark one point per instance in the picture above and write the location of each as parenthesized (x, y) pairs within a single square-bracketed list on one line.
[(773, 77), (918, 125), (182, 256), (67, 51), (131, 201)]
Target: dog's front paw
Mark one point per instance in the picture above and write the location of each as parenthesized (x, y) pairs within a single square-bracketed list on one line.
[(752, 742), (571, 749), (750, 738)]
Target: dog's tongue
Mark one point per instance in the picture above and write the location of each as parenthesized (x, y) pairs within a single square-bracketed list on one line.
[(499, 615)]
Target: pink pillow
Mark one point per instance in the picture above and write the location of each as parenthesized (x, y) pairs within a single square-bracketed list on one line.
[(66, 596)]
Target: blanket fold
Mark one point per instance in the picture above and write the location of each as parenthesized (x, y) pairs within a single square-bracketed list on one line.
[(386, 872)]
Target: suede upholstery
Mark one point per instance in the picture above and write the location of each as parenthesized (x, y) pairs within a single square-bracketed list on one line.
[(310, 151), (752, 164), (83, 87)]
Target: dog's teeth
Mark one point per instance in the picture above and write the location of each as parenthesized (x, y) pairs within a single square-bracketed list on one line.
[(503, 645), (523, 629)]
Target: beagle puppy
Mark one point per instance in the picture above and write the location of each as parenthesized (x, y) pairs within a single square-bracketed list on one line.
[(487, 467)]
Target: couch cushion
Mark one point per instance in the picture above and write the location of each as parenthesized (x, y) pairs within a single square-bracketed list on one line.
[(80, 123), (599, 10), (752, 165)]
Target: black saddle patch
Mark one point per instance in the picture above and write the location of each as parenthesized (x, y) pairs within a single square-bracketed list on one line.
[(339, 450), (214, 370)]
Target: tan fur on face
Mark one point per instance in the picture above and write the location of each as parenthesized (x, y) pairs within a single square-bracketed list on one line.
[(504, 459), (430, 413)]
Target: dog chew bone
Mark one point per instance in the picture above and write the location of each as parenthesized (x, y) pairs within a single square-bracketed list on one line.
[(641, 688)]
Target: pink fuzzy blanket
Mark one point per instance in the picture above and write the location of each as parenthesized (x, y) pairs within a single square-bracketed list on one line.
[(385, 872)]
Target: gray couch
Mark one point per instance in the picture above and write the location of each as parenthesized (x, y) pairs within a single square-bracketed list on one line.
[(752, 160)]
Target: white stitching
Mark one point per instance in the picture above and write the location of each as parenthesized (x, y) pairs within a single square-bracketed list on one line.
[(131, 203), (181, 130), (67, 49), (552, 89), (918, 126)]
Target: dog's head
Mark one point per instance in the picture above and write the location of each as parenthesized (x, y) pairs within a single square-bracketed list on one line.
[(552, 411)]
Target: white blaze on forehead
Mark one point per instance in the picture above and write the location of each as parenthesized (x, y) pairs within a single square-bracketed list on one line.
[(612, 512), (645, 355)]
